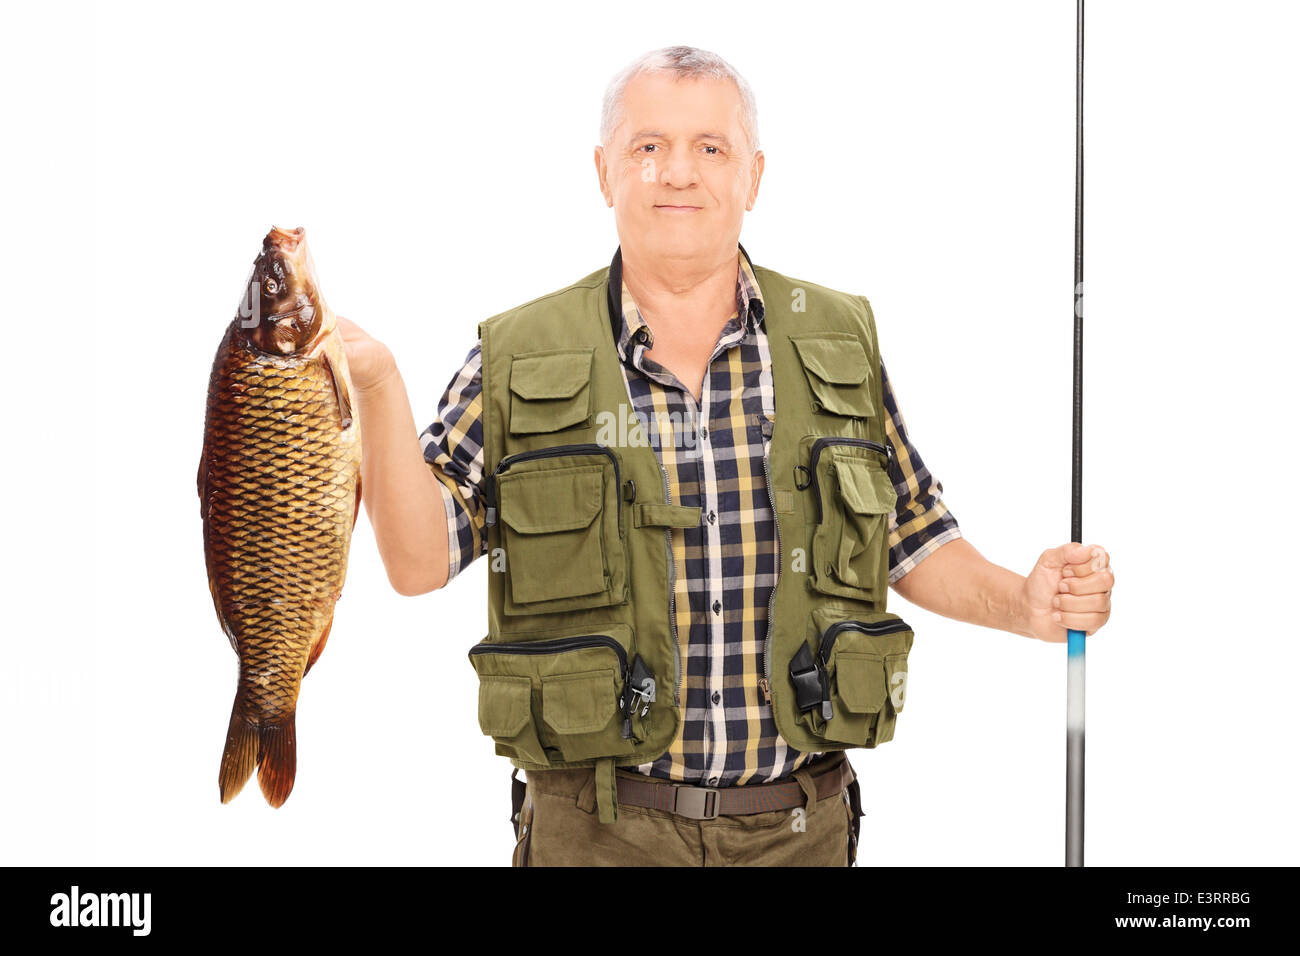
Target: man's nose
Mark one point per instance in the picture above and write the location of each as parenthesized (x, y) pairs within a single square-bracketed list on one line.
[(680, 169)]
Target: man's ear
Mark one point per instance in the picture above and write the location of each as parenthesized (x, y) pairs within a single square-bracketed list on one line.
[(756, 173), (602, 176)]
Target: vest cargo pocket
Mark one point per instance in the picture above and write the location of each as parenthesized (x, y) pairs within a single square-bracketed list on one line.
[(850, 690), (866, 498), (896, 680), (550, 390), (561, 528), (854, 499), (554, 546), (505, 713), (836, 367), (556, 700), (859, 680), (578, 707)]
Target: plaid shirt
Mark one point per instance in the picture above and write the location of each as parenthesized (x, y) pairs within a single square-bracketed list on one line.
[(726, 568)]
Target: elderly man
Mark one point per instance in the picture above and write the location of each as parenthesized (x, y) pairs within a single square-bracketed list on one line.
[(695, 488)]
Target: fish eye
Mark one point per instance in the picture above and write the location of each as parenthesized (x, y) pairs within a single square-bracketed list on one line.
[(271, 286)]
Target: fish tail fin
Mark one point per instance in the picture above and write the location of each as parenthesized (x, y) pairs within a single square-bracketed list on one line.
[(277, 760), (240, 755)]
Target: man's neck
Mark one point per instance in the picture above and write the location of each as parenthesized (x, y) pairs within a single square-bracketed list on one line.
[(677, 295)]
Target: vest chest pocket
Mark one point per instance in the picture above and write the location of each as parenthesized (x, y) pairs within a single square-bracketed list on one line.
[(561, 528), (550, 390), (557, 700), (852, 689), (854, 498), (836, 367)]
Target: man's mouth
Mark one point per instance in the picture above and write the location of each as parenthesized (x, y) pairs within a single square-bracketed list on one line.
[(679, 208)]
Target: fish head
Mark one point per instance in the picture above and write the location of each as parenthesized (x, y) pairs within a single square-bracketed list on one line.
[(283, 312)]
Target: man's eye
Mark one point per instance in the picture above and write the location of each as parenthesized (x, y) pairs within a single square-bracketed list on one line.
[(715, 150), (650, 146)]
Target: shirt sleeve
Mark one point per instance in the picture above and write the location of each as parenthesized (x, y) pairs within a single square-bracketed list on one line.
[(453, 449), (921, 522)]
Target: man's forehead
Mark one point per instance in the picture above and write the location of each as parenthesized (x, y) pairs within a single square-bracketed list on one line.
[(672, 105)]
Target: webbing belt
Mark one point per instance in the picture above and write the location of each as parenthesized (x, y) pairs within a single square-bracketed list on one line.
[(706, 803)]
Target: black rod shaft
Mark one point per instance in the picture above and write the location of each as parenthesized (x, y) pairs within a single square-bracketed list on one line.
[(1076, 653)]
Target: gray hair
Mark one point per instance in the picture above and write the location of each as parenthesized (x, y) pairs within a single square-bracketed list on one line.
[(684, 62)]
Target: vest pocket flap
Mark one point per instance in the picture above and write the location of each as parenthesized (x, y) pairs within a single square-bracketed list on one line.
[(550, 391), (550, 374), (581, 703), (840, 361), (837, 373), (860, 680), (543, 502), (865, 489), (504, 704)]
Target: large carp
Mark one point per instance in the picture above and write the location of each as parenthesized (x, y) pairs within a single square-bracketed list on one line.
[(279, 490)]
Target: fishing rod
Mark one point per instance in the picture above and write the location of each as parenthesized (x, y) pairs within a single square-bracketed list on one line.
[(1076, 643)]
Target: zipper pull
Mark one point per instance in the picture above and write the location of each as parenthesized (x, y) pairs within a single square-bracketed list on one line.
[(765, 686), (490, 500), (626, 701)]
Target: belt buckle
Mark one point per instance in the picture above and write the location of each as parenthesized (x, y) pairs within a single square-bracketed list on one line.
[(695, 803)]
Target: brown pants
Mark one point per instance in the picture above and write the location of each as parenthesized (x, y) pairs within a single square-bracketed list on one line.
[(557, 826)]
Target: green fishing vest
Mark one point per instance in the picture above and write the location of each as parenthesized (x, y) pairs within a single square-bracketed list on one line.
[(581, 665)]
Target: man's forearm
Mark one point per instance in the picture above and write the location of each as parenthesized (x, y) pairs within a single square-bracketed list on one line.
[(957, 581), (402, 496)]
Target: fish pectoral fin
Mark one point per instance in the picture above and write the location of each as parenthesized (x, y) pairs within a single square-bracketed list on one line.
[(203, 482), (340, 392), (319, 645), (356, 507)]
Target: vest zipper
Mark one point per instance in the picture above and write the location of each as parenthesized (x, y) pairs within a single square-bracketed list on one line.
[(828, 644), (816, 452), (672, 597), (554, 451), (865, 627), (555, 645), (765, 682)]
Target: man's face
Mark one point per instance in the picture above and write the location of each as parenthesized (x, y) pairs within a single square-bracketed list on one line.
[(678, 170)]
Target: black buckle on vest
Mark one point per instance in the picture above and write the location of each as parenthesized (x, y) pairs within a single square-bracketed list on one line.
[(638, 694), (808, 679), (812, 686)]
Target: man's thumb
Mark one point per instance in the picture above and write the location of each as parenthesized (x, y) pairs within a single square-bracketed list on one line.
[(1069, 553)]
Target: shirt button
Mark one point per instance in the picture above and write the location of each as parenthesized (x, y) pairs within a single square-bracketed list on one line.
[(642, 335), (717, 607), (712, 517), (704, 432), (717, 698), (713, 781)]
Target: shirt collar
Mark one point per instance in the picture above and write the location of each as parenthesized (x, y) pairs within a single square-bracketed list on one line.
[(627, 324)]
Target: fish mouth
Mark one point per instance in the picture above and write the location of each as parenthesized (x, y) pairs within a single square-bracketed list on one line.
[(292, 313), (285, 239)]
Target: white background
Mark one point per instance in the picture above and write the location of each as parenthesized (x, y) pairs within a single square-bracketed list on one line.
[(440, 159)]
